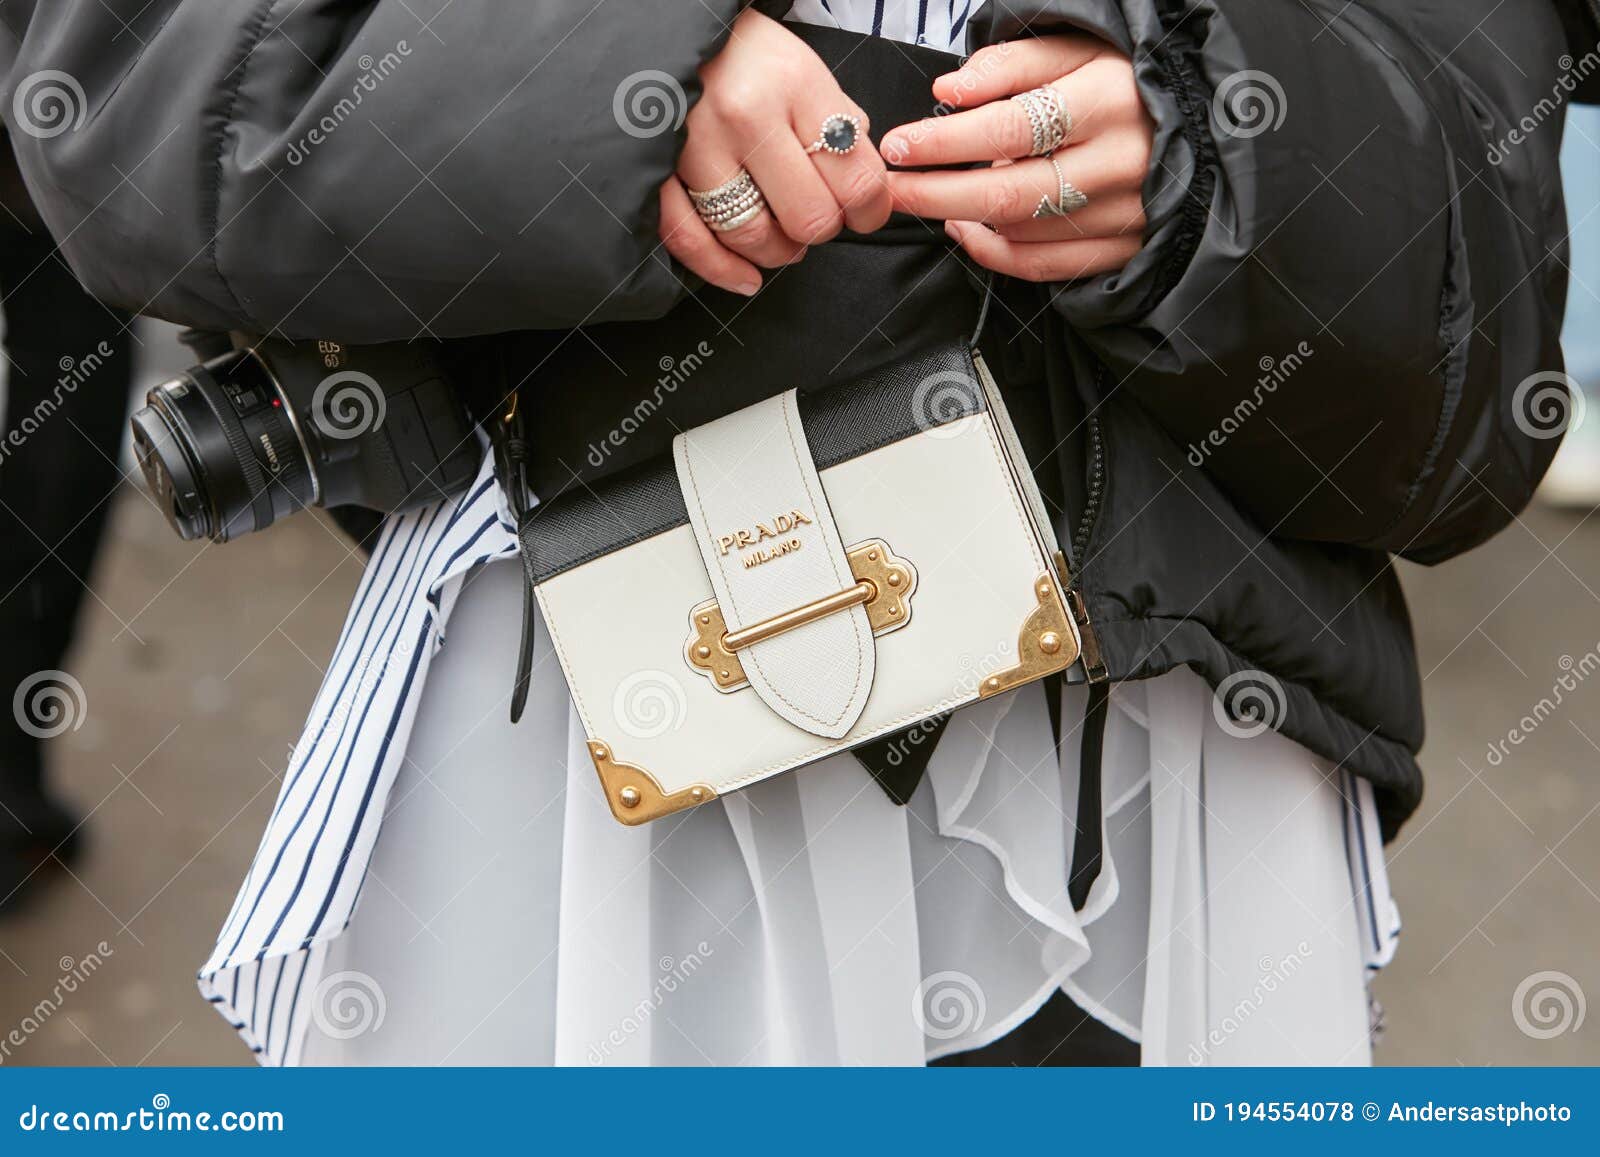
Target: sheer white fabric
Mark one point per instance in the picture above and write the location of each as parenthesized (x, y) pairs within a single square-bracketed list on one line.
[(507, 918)]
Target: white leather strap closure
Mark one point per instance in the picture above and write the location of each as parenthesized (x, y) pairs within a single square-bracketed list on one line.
[(771, 549)]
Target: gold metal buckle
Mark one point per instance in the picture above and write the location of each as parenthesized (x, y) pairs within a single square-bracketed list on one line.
[(884, 585)]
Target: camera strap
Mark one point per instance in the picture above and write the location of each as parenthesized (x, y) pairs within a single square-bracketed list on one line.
[(508, 437)]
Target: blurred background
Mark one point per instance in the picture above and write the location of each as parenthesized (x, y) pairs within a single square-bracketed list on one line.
[(192, 667)]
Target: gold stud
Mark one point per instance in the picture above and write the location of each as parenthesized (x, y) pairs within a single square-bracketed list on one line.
[(993, 681), (722, 674), (628, 797), (697, 793), (705, 619), (894, 579), (703, 651), (601, 753), (1049, 642), (894, 612)]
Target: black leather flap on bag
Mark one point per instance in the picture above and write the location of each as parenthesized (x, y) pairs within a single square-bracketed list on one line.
[(841, 422)]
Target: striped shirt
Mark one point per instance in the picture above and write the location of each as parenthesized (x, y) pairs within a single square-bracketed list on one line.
[(938, 24), (306, 878)]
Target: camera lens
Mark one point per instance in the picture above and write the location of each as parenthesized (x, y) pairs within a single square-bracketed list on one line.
[(221, 451)]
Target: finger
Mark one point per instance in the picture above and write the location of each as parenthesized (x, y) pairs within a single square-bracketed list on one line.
[(1120, 215), (760, 239), (1097, 96), (763, 241), (1005, 194), (1047, 261), (796, 193), (856, 178), (688, 239), (1014, 66)]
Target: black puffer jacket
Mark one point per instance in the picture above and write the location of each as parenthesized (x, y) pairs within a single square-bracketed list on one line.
[(1355, 259)]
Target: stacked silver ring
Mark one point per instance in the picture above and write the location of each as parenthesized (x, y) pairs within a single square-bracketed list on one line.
[(730, 205), (1051, 122), (1068, 199)]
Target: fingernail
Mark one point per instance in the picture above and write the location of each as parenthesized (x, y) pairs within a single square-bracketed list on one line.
[(952, 230), (748, 288), (894, 143)]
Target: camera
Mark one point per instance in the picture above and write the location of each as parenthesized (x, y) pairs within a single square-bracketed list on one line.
[(259, 430)]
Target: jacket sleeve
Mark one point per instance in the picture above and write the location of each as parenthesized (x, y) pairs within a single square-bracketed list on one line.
[(1348, 303), (368, 171)]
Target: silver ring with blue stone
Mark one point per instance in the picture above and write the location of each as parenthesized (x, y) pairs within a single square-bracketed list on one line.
[(838, 135)]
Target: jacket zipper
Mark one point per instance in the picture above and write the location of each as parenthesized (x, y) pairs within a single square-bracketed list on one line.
[(1096, 488), (1094, 666)]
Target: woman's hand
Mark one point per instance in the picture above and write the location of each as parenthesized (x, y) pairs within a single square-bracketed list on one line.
[(1106, 158), (766, 96)]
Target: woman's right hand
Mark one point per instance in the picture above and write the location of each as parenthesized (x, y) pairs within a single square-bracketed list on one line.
[(766, 96)]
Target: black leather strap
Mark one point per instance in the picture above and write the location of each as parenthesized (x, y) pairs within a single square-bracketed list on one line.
[(1087, 852)]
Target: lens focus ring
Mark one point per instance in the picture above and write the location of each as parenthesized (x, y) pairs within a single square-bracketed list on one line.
[(244, 455)]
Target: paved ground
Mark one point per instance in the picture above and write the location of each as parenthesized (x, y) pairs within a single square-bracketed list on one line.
[(198, 665)]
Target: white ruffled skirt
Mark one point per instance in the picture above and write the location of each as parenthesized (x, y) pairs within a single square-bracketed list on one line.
[(508, 919)]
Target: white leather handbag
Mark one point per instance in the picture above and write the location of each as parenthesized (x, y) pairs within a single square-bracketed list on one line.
[(804, 575)]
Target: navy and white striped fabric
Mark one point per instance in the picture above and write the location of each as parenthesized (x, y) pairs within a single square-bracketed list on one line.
[(938, 24), (308, 871)]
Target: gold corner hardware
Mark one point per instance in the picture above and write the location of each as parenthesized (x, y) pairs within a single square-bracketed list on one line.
[(883, 588), (633, 793), (1046, 644)]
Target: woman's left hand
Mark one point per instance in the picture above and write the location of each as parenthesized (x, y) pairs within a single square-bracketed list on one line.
[(989, 212)]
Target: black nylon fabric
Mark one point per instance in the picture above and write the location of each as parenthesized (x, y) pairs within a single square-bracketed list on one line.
[(1377, 220)]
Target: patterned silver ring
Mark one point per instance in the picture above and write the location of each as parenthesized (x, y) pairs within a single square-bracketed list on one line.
[(733, 203), (1048, 119), (838, 135)]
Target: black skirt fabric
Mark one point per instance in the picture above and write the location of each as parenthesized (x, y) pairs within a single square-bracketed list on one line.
[(1060, 1034)]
